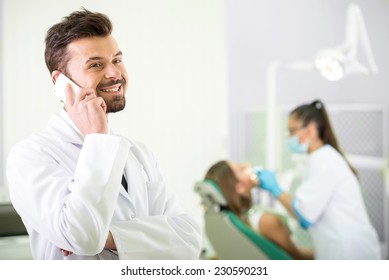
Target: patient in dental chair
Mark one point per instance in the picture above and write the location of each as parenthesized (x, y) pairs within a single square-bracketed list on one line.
[(236, 181)]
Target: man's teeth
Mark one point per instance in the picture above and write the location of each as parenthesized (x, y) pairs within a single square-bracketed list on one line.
[(110, 89)]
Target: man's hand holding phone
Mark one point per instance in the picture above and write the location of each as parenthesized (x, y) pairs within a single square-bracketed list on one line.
[(87, 110), (84, 107)]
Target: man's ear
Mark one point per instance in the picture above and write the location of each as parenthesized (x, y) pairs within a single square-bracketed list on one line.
[(54, 75)]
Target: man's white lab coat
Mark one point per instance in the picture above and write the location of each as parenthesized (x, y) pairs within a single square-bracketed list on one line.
[(68, 191)]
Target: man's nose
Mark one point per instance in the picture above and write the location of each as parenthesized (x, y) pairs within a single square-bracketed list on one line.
[(112, 72)]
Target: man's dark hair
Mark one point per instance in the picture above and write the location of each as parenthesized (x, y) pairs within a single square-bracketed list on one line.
[(77, 25)]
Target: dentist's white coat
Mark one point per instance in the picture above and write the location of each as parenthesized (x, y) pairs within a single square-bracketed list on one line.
[(331, 200), (68, 192)]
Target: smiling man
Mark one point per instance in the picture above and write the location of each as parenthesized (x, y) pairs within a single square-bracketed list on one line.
[(83, 192)]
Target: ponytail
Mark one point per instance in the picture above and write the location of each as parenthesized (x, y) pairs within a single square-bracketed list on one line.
[(315, 112)]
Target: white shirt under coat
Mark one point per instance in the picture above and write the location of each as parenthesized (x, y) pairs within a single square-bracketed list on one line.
[(330, 198), (68, 191)]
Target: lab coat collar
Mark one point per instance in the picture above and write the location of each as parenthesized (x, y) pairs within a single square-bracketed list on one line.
[(62, 126), (63, 114), (59, 127), (321, 150)]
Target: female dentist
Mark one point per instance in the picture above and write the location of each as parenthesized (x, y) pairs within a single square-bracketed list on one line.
[(329, 201)]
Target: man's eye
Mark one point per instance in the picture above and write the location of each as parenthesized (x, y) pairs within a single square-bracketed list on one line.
[(116, 61), (95, 65)]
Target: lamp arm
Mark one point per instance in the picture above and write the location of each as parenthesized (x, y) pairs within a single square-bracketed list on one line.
[(365, 43), (271, 96), (356, 32), (271, 122)]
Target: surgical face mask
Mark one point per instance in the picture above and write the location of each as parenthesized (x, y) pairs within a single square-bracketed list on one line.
[(295, 147)]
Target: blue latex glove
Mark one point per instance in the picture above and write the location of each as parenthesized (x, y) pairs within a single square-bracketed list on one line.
[(268, 182)]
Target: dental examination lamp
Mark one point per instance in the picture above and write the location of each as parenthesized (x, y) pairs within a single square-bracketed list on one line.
[(336, 63), (332, 63)]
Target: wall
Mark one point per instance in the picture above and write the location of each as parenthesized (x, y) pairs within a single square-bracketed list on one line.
[(261, 31), (175, 54), (1, 97)]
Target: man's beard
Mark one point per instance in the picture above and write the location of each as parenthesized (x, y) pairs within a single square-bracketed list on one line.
[(116, 104)]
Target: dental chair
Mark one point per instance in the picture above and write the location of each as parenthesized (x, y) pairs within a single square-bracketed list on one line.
[(229, 236)]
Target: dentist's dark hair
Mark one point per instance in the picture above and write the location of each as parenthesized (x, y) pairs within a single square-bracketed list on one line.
[(77, 25), (315, 112)]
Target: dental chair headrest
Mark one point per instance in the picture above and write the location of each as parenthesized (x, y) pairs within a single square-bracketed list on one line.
[(210, 193)]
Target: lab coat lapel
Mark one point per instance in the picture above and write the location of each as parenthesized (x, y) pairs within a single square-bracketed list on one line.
[(135, 173), (137, 186)]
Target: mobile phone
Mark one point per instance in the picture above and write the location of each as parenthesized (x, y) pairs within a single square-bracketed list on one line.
[(60, 85)]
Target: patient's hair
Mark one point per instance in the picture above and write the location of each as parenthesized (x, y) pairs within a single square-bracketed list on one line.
[(77, 25), (222, 174), (315, 112)]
